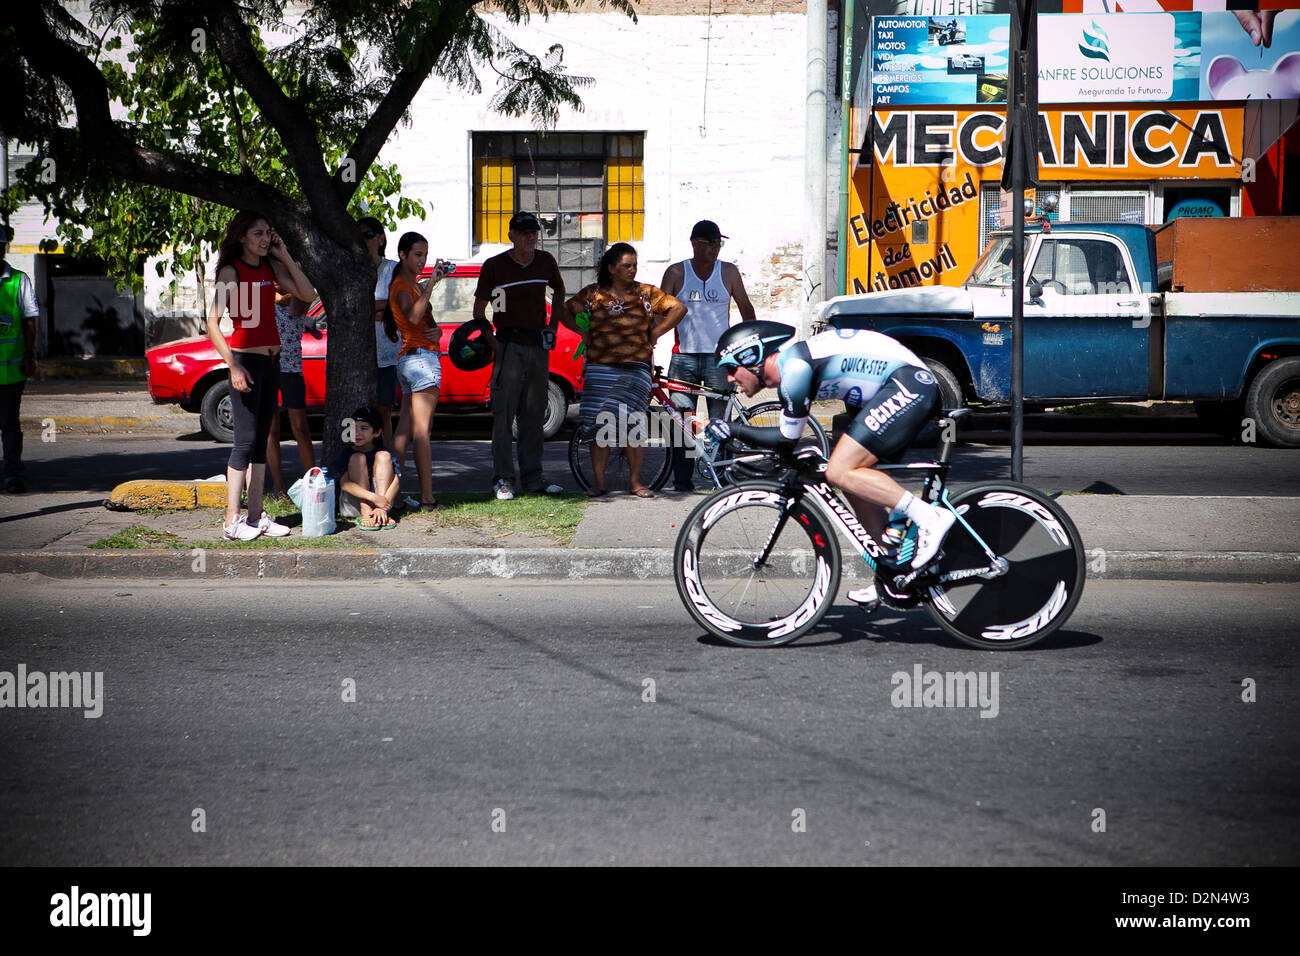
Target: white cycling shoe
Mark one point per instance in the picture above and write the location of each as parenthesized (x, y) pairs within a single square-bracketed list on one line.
[(866, 597), (930, 537)]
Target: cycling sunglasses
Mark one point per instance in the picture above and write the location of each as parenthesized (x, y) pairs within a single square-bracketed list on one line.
[(749, 357)]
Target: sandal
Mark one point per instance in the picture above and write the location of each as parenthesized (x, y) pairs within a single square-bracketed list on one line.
[(370, 525), (595, 492), (433, 505), (644, 493)]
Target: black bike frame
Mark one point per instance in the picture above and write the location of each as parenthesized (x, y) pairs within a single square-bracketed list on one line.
[(796, 487)]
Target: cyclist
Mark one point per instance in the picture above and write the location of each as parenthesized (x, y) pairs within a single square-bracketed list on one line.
[(889, 386)]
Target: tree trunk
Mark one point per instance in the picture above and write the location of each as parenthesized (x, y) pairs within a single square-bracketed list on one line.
[(345, 282)]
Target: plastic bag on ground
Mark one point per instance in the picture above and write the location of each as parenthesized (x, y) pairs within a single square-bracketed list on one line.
[(317, 504)]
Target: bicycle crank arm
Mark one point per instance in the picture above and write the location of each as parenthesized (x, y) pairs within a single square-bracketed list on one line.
[(999, 567)]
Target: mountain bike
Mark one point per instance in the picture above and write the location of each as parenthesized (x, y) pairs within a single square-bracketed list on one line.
[(758, 564), (666, 425)]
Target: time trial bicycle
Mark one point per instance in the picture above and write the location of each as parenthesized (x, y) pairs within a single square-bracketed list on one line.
[(758, 564)]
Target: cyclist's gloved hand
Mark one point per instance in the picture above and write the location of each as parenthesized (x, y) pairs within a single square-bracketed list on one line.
[(718, 430)]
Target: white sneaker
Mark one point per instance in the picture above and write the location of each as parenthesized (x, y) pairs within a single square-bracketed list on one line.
[(240, 530), (929, 537), (867, 597), (503, 490), (272, 529)]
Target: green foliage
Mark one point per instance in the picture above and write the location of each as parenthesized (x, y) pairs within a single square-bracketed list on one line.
[(177, 94), (187, 106), (138, 536)]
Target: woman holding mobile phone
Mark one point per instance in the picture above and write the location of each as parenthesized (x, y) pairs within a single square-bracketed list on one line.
[(419, 363), (251, 263)]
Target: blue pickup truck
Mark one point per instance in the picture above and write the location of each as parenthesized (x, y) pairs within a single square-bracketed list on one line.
[(1099, 325)]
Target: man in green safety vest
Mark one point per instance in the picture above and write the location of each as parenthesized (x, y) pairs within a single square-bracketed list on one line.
[(18, 312)]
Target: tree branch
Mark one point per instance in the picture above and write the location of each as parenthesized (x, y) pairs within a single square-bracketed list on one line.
[(405, 85), (55, 58), (296, 128)]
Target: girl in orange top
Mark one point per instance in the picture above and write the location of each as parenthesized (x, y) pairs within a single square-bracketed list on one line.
[(419, 363)]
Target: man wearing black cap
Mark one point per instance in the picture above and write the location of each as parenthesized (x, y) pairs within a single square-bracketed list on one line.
[(707, 287), (514, 283)]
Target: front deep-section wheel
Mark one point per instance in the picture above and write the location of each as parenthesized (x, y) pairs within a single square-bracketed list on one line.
[(735, 597), (1044, 575)]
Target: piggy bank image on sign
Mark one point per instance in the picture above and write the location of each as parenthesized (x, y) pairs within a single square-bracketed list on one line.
[(1229, 80)]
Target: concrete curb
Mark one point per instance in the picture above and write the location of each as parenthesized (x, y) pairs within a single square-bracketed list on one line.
[(168, 495), (556, 563), (91, 367)]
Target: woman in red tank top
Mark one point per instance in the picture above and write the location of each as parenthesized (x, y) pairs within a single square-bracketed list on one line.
[(251, 263)]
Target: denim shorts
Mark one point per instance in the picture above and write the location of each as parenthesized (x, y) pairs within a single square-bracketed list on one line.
[(419, 371)]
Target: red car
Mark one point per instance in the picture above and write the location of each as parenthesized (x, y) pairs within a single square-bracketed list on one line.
[(191, 373)]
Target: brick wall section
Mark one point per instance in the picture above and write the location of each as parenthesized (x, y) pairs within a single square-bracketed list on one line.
[(777, 290)]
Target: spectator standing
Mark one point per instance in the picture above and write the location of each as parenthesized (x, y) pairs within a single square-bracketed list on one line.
[(515, 282), (18, 312), (251, 263), (291, 321), (419, 361), (706, 287), (625, 318), (388, 344)]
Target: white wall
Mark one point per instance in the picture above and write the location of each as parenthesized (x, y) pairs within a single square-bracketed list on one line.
[(729, 149)]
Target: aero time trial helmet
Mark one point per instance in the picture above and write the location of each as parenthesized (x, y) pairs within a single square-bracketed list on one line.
[(746, 345)]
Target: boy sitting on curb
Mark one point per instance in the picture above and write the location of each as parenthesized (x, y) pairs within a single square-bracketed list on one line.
[(367, 476)]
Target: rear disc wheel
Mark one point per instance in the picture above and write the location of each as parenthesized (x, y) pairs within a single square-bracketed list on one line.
[(1045, 568)]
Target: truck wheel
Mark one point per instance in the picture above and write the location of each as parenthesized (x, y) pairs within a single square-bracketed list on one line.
[(557, 409), (949, 387), (215, 413), (1273, 402)]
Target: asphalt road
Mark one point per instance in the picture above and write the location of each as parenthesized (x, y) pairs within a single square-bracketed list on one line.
[(1116, 463), (510, 722)]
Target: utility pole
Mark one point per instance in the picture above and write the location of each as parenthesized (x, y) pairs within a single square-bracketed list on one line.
[(1020, 169), (814, 232)]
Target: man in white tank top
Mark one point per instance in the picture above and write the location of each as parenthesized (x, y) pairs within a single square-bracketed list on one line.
[(706, 287)]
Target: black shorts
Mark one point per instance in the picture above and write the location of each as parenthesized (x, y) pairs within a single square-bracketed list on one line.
[(387, 385), (293, 390), (895, 415)]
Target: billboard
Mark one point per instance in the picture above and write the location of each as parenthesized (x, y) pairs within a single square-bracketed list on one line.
[(914, 212), (1084, 58)]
